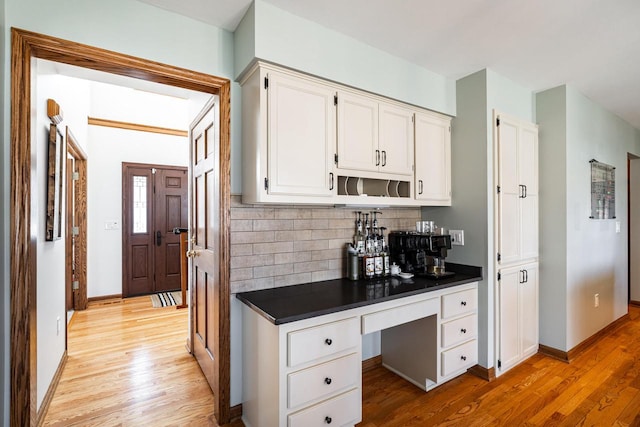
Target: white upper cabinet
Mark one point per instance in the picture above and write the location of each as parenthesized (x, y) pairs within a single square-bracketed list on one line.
[(357, 132), (433, 158), (395, 139), (307, 140), (301, 136), (517, 180), (289, 138), (374, 136)]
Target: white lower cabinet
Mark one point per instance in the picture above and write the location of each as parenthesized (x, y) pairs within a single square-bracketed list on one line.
[(342, 410), (309, 372), (517, 315)]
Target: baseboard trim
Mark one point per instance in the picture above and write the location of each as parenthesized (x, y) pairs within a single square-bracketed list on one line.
[(235, 412), (554, 353), (634, 303), (371, 363), (568, 356), (104, 297), (487, 374), (46, 401)]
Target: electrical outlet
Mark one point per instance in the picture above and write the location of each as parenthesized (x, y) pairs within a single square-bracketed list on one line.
[(596, 300), (457, 237)]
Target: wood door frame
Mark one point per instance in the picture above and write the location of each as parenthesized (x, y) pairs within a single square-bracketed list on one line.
[(80, 213), (25, 47), (125, 216)]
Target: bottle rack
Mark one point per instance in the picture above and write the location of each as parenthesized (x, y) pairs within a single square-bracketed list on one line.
[(356, 186)]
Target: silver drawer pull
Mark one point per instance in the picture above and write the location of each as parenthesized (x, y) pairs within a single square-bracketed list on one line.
[(328, 341), (327, 381)]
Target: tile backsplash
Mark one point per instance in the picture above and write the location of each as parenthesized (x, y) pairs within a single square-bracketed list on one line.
[(273, 246)]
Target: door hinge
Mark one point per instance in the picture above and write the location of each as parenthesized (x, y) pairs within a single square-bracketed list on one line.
[(335, 158), (335, 99), (153, 170), (499, 276), (498, 121), (499, 256), (75, 285), (75, 176), (413, 118), (75, 231), (499, 364), (266, 183), (266, 82), (498, 189)]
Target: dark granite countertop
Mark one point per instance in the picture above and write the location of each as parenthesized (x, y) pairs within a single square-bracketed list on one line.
[(291, 303)]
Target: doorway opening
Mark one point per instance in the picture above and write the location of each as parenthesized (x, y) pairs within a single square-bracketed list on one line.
[(23, 351)]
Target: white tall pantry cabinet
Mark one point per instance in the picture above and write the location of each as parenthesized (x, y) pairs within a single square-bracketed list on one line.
[(516, 220)]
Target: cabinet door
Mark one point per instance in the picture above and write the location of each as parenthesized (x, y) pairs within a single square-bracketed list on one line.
[(528, 301), (358, 133), (396, 139), (301, 136), (510, 192), (508, 317), (518, 197), (432, 158), (528, 177)]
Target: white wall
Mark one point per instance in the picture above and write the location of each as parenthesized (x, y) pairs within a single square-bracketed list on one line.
[(109, 147), (472, 183), (73, 99), (634, 239), (281, 37), (595, 258), (596, 254), (551, 114)]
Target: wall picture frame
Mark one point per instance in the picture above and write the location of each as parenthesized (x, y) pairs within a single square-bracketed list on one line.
[(55, 167)]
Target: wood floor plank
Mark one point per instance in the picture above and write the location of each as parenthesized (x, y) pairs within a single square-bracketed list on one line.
[(128, 366), (600, 387)]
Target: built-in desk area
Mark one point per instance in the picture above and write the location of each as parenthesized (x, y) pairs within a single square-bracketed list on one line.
[(302, 345)]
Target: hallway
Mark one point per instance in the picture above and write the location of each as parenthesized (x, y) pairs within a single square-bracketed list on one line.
[(128, 366)]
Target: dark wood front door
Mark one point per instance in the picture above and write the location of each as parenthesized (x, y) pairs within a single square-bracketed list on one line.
[(154, 203), (205, 241)]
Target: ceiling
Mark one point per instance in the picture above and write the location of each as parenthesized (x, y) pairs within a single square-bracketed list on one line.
[(592, 45)]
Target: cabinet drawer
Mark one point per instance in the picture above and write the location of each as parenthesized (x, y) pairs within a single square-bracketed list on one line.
[(398, 315), (323, 380), (343, 410), (319, 341), (460, 357), (459, 330), (459, 303)]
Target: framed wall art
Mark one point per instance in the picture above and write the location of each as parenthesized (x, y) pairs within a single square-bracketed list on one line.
[(55, 182), (603, 190)]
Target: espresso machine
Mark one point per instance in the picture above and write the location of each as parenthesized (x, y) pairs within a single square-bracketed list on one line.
[(420, 253)]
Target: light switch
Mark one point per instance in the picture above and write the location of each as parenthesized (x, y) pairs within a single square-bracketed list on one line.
[(457, 237), (111, 225), (617, 226)]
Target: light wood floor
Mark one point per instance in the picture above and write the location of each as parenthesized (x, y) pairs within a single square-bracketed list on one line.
[(600, 388), (128, 366)]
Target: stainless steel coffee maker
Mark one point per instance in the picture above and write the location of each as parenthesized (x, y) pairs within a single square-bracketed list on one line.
[(420, 253)]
